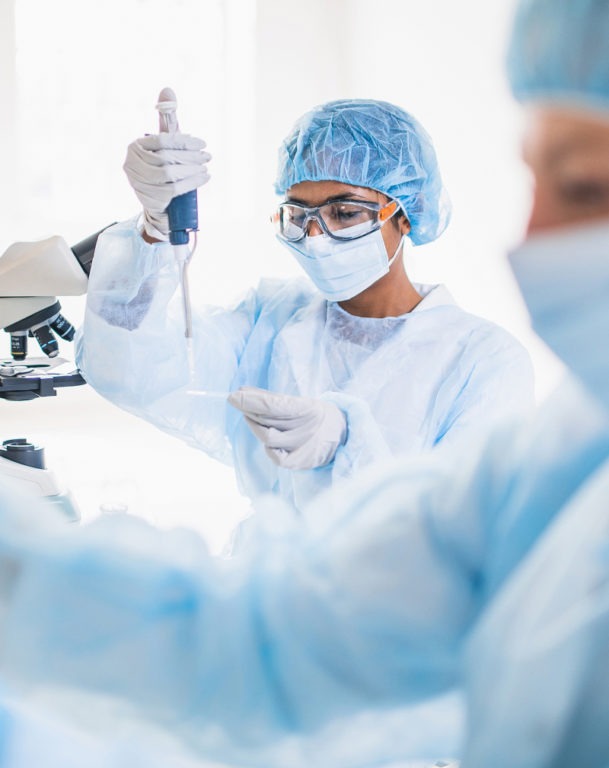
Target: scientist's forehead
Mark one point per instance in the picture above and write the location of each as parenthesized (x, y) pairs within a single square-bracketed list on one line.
[(313, 192), (553, 135)]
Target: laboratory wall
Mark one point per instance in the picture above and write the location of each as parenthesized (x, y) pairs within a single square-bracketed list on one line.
[(79, 81)]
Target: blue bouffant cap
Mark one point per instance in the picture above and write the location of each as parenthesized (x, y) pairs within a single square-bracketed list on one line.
[(373, 144), (559, 52)]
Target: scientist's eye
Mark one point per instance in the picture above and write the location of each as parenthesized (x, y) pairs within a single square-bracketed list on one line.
[(588, 193), (345, 213), (296, 217)]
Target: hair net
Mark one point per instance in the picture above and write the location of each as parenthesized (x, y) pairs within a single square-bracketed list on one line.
[(371, 144), (559, 51)]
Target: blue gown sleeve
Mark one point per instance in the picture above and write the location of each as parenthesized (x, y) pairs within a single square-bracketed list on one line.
[(366, 608), (131, 347), (547, 670), (365, 443), (236, 656)]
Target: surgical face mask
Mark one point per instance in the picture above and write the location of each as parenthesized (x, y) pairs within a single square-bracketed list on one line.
[(342, 270), (564, 279)]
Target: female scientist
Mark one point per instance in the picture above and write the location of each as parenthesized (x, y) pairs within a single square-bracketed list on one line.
[(494, 577), (325, 375)]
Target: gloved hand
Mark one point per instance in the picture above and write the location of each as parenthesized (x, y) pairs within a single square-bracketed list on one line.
[(297, 432), (160, 167)]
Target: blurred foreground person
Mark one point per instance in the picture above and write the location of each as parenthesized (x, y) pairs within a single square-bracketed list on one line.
[(495, 580)]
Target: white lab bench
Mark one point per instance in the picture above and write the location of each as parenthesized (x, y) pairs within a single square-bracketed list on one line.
[(111, 460)]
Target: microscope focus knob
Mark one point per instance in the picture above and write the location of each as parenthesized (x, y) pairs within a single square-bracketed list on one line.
[(21, 451)]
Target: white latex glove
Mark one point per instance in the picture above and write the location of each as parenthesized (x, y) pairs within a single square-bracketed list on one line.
[(297, 432), (160, 167)]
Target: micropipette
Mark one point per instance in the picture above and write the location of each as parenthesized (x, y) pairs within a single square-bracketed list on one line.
[(183, 219)]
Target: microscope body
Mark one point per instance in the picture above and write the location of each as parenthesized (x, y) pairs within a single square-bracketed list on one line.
[(32, 275)]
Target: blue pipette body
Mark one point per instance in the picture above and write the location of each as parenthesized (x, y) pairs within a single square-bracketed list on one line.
[(183, 216)]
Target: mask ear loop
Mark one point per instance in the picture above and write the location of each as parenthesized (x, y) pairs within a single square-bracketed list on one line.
[(388, 212), (397, 250)]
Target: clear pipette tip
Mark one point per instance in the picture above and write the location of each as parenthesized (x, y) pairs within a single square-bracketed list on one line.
[(207, 393)]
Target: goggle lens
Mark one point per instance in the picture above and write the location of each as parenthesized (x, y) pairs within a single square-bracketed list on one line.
[(336, 218)]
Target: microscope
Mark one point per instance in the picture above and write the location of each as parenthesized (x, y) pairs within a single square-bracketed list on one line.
[(32, 275)]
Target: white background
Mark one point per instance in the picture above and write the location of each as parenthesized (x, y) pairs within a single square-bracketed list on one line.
[(79, 81)]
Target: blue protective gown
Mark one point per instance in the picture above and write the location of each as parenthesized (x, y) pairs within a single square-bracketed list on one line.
[(256, 658), (435, 376)]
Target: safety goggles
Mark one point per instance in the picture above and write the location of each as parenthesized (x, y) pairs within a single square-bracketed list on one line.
[(337, 218)]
